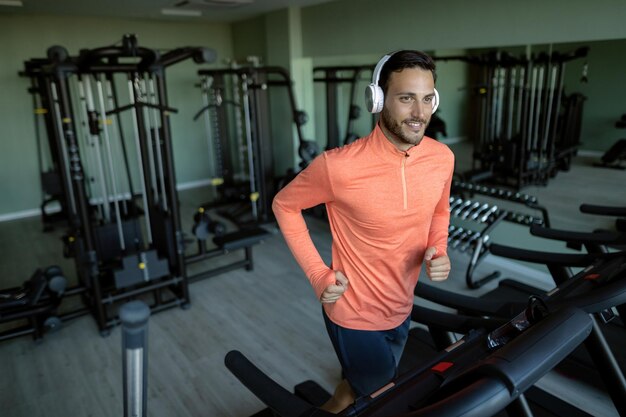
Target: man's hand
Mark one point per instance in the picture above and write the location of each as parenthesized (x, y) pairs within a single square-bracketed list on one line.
[(437, 268), (334, 291)]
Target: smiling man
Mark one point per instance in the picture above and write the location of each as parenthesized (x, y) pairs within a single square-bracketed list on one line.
[(386, 196)]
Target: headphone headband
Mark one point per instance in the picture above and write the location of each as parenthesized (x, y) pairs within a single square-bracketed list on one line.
[(379, 67)]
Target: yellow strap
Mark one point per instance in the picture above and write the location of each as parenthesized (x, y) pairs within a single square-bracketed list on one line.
[(217, 181), (41, 110), (254, 196)]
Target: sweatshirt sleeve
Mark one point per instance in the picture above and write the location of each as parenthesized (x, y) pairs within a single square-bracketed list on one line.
[(438, 235), (309, 188)]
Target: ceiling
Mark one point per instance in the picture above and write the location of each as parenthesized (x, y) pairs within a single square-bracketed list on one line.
[(202, 10)]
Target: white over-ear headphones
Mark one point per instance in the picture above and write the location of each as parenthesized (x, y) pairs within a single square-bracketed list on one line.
[(374, 96)]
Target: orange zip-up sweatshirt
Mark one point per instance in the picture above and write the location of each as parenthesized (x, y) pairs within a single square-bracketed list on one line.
[(385, 207)]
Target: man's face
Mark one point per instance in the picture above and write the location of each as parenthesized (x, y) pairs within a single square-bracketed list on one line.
[(408, 106)]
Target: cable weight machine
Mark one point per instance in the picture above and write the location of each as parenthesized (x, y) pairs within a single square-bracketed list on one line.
[(124, 225), (236, 112), (527, 127)]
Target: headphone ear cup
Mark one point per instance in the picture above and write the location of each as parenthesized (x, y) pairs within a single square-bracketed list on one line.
[(435, 101), (374, 98)]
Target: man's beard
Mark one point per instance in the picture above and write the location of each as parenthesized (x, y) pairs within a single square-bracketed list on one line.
[(396, 128)]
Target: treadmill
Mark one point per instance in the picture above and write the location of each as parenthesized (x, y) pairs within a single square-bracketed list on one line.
[(485, 371)]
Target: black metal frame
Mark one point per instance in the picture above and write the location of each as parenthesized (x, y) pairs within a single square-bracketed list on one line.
[(110, 271), (527, 128), (240, 197), (490, 215), (333, 77)]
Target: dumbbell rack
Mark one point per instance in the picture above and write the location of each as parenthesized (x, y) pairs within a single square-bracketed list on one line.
[(480, 218)]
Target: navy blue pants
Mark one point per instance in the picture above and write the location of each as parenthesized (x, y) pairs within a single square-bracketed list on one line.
[(369, 358)]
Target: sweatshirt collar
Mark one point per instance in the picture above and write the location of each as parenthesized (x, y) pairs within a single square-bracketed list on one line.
[(386, 149)]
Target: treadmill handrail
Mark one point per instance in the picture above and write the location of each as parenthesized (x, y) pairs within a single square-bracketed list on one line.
[(467, 303), (602, 238), (453, 322), (618, 211), (281, 401), (546, 258)]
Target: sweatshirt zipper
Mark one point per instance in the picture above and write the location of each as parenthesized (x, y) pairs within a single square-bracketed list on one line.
[(404, 191)]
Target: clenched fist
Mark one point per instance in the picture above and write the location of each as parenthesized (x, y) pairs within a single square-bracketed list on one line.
[(334, 291), (437, 268)]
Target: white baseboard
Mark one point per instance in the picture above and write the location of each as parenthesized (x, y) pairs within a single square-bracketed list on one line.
[(16, 215), (193, 184), (55, 207), (590, 153)]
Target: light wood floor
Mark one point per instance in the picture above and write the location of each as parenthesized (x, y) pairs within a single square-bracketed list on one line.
[(269, 314)]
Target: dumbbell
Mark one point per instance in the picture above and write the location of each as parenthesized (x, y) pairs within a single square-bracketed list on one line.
[(461, 207), (469, 210), (461, 238), (455, 233), (455, 203), (488, 214), (470, 241), (480, 212), (476, 209)]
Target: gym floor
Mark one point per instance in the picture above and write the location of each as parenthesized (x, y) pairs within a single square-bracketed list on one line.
[(270, 314)]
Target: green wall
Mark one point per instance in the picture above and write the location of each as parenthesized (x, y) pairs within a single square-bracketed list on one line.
[(372, 26), (249, 39), (26, 37), (605, 91)]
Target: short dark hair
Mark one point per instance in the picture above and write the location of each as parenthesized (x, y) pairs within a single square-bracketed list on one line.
[(405, 59)]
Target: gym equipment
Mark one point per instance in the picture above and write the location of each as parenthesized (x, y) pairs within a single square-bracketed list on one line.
[(468, 378), (596, 242), (245, 105), (124, 225), (614, 156), (35, 302), (527, 128), (134, 316), (620, 223), (51, 187), (334, 77), (225, 242), (504, 301), (472, 221)]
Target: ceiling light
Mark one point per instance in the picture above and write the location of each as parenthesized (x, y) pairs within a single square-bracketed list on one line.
[(212, 4), (180, 12), (14, 3)]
